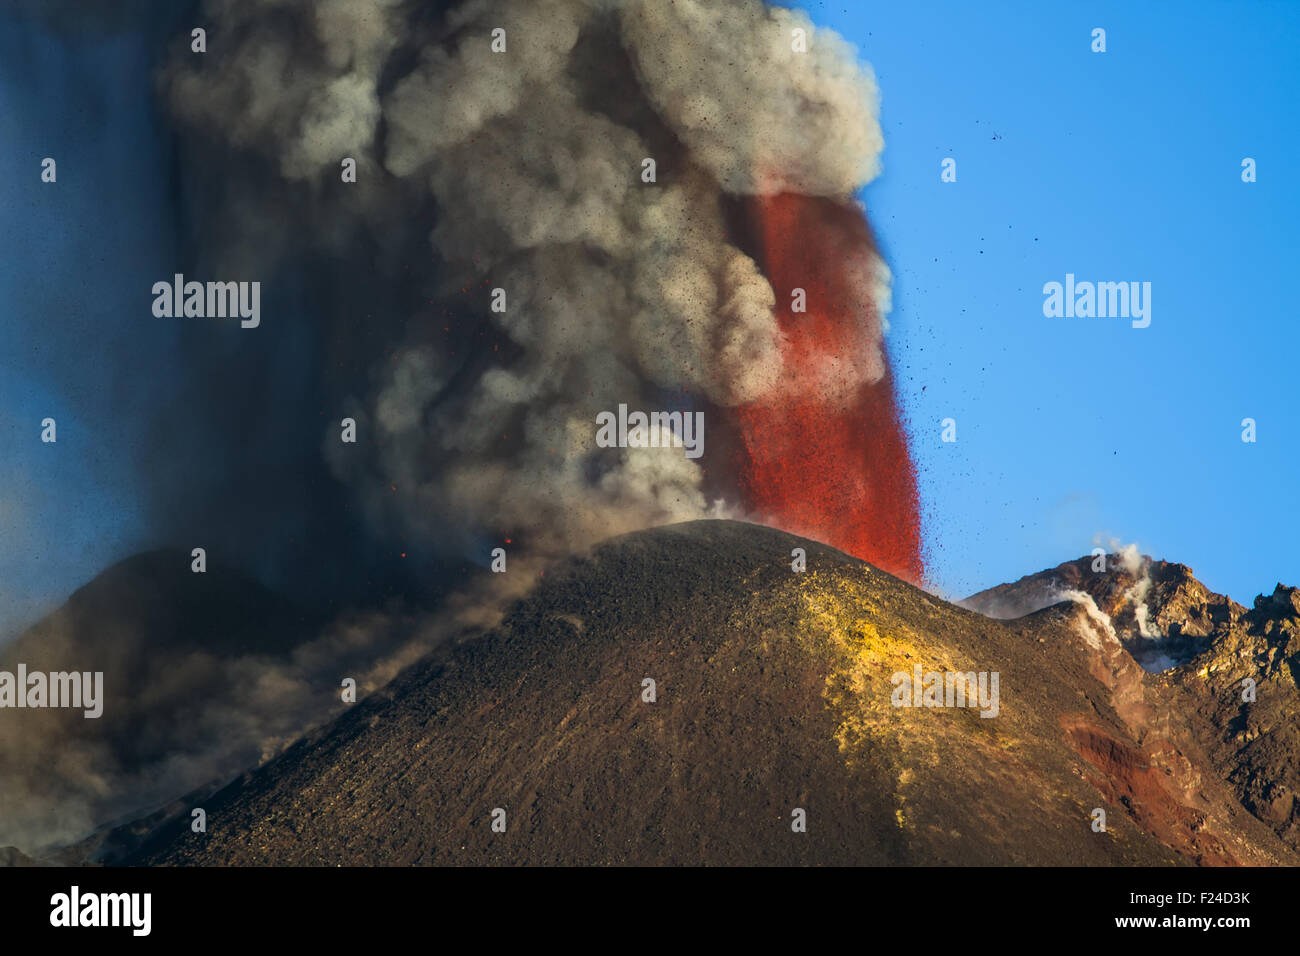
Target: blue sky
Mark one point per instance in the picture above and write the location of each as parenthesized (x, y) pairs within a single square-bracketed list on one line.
[(72, 256), (1115, 166)]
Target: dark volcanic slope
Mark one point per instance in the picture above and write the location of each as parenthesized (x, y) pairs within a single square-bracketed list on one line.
[(773, 694), (204, 675), (165, 640)]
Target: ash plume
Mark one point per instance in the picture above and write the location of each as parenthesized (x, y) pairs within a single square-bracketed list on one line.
[(529, 161)]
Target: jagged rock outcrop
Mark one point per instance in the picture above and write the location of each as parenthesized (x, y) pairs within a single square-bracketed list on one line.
[(1205, 646), (1256, 743), (1159, 610)]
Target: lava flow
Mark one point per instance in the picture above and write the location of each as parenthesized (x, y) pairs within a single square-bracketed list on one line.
[(827, 462)]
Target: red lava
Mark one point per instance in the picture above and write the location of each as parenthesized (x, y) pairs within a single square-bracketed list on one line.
[(834, 468)]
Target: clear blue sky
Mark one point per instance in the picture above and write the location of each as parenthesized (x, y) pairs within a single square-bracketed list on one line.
[(1116, 166)]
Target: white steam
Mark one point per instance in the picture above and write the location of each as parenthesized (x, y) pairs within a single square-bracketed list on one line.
[(1104, 627)]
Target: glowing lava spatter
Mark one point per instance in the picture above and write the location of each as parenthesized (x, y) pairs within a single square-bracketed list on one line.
[(832, 467)]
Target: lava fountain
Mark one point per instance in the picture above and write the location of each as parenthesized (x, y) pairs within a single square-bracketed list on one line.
[(820, 458)]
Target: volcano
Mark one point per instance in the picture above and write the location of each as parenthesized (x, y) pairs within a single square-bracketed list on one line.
[(769, 733)]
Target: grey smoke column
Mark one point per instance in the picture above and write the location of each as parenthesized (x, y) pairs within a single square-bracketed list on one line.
[(617, 290)]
